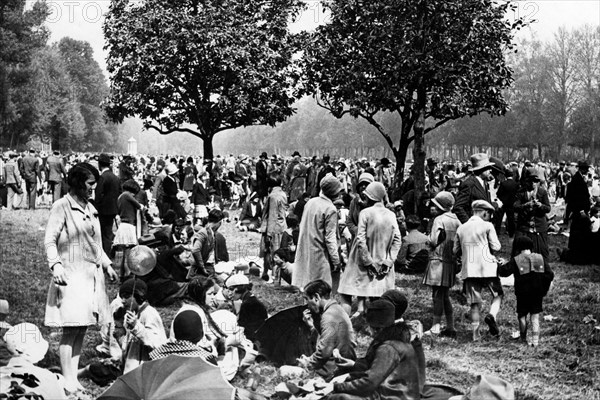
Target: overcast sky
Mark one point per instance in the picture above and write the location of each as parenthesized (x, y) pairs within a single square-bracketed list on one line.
[(82, 19)]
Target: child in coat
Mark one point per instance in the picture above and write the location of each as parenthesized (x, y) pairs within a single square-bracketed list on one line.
[(532, 282), (440, 272)]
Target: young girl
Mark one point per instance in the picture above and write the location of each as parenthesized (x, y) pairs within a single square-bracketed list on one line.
[(532, 281), (127, 235), (440, 272)]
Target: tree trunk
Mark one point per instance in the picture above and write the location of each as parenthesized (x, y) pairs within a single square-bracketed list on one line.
[(207, 146), (419, 158)]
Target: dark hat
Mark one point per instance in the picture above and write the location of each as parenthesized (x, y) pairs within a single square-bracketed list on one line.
[(179, 222), (385, 161), (296, 153), (127, 288), (534, 175), (398, 300), (215, 215), (187, 325), (264, 155), (380, 314), (522, 243), (583, 165), (431, 161), (104, 159), (32, 151), (56, 152)]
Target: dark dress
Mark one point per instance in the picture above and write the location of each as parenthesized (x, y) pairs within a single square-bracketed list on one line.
[(252, 315)]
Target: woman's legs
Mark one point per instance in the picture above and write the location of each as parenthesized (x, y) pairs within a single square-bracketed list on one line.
[(69, 350)]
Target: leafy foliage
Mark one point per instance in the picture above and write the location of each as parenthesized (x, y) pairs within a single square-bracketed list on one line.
[(214, 64), (421, 59)]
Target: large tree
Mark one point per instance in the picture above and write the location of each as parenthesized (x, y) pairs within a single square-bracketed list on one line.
[(201, 66), (429, 61), (21, 34)]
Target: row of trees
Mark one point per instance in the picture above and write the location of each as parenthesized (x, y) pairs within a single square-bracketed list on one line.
[(554, 109), (219, 65), (49, 93)]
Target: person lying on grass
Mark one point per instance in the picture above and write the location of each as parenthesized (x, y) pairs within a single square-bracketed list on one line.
[(532, 282), (335, 329)]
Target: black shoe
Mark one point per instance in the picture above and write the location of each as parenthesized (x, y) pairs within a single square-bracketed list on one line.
[(450, 333), (491, 321)]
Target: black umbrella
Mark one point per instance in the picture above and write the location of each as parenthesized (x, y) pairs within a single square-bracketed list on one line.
[(285, 337)]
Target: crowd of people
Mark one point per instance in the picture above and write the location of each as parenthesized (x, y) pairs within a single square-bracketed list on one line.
[(330, 229)]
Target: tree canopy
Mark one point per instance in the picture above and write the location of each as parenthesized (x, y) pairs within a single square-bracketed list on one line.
[(214, 64), (425, 60)]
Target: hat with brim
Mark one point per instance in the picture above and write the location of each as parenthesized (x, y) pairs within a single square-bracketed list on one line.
[(488, 387), (380, 314), (375, 191), (237, 280), (480, 161), (482, 205), (172, 169), (444, 200), (104, 159), (330, 185), (25, 340), (583, 165), (365, 177)]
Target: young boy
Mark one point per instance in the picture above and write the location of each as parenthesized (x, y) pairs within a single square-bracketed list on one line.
[(145, 329), (532, 281), (475, 241)]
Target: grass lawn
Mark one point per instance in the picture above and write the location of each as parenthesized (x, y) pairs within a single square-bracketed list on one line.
[(566, 365)]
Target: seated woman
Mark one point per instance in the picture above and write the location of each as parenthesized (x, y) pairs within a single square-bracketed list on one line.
[(391, 366), (251, 214), (201, 299), (187, 328), (251, 312)]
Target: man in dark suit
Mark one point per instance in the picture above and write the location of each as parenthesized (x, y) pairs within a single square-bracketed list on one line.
[(108, 190), (475, 187), (56, 173), (507, 193), (261, 176), (32, 175)]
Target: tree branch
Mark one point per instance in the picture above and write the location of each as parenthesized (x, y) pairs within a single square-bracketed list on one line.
[(178, 129), (439, 123)]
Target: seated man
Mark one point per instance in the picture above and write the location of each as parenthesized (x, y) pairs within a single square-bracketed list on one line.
[(335, 331), (250, 217), (414, 253)]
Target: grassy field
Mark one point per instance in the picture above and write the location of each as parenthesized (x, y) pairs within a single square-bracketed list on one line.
[(566, 365)]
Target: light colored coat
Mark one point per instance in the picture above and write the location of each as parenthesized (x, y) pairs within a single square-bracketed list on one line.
[(147, 335), (273, 221), (73, 237), (317, 250), (440, 269), (377, 241), (474, 242)]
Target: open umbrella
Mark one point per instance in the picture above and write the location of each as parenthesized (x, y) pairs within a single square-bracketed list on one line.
[(171, 378), (285, 337)]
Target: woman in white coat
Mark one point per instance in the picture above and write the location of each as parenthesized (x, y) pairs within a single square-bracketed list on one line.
[(370, 268)]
